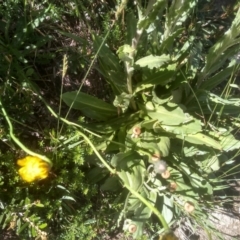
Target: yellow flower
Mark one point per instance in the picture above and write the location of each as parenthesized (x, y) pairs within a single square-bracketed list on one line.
[(33, 168)]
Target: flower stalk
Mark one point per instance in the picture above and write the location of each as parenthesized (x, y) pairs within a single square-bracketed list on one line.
[(17, 141)]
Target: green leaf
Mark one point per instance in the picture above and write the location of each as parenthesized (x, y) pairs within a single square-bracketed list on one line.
[(42, 226), (68, 198), (121, 160), (214, 163), (22, 227), (122, 101), (111, 184), (167, 116), (229, 142), (91, 106), (191, 151), (148, 124), (192, 127), (201, 139), (184, 189), (33, 232), (150, 147), (167, 209), (132, 173), (158, 78), (216, 99), (164, 146), (153, 61), (39, 205), (143, 213)]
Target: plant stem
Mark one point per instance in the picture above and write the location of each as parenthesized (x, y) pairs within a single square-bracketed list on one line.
[(16, 140)]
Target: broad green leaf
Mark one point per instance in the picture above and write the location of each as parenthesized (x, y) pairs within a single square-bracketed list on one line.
[(149, 147), (214, 163), (216, 99), (133, 176), (201, 139), (111, 184), (148, 124), (134, 203), (164, 146), (191, 151), (153, 61), (121, 160), (91, 106), (192, 127), (149, 136), (167, 209), (229, 142), (167, 116), (143, 213), (210, 106), (158, 78), (183, 52)]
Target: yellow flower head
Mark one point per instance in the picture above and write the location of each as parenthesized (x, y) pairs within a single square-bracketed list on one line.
[(33, 168)]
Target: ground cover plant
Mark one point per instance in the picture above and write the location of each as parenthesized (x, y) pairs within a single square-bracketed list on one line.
[(156, 142)]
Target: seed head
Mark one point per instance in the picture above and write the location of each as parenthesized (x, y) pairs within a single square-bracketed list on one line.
[(166, 174), (136, 132), (132, 228), (189, 207), (160, 166), (172, 186)]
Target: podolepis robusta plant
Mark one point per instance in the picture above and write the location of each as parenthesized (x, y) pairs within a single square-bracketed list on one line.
[(160, 142)]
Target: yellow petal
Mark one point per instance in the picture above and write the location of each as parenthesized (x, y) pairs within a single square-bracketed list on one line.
[(33, 168), (28, 160)]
